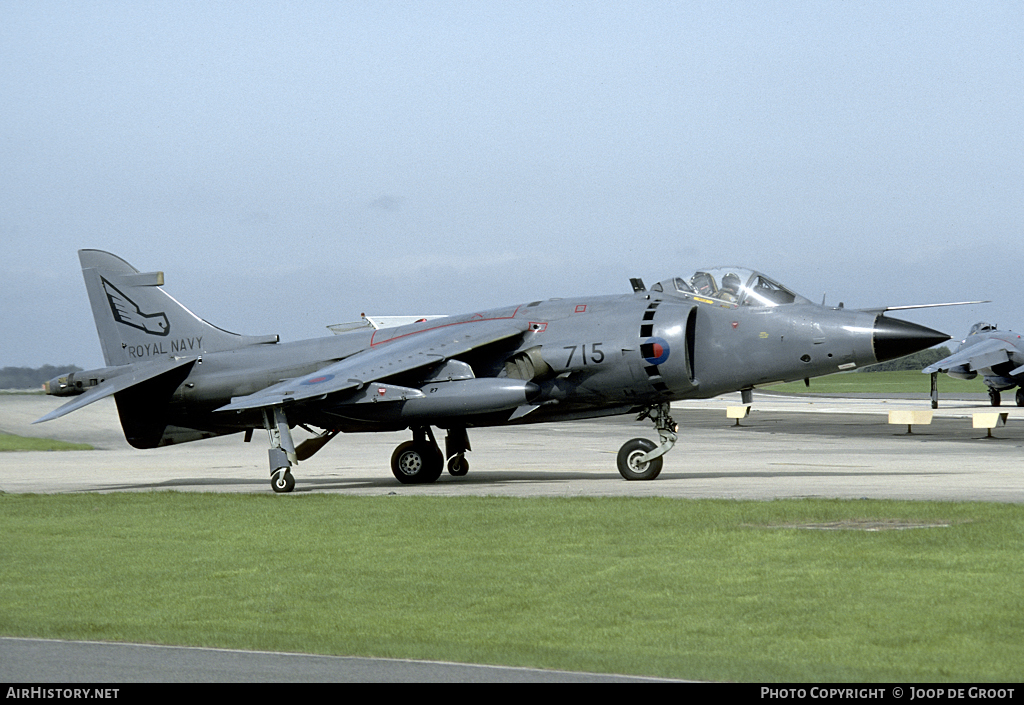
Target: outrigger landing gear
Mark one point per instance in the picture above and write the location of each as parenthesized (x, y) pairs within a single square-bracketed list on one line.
[(282, 453), (641, 459)]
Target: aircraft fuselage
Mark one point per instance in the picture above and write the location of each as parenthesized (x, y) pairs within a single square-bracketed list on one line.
[(588, 356)]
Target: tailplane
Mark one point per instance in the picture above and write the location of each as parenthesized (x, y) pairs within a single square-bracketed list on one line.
[(137, 321)]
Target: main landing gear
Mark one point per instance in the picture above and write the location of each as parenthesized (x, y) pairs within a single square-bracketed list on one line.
[(420, 460), (641, 459), (995, 398)]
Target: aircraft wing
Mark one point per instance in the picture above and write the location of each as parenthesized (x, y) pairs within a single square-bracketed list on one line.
[(979, 356), (396, 356)]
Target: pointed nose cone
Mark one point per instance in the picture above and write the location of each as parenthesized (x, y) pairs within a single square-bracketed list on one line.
[(895, 338)]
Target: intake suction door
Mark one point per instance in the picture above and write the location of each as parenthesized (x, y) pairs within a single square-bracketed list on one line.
[(667, 335)]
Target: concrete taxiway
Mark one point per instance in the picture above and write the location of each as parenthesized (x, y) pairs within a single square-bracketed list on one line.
[(789, 446)]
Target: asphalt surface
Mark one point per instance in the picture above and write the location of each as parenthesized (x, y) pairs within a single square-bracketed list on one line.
[(51, 661), (789, 446)]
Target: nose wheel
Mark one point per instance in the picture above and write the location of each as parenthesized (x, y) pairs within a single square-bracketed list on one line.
[(641, 459), (631, 463)]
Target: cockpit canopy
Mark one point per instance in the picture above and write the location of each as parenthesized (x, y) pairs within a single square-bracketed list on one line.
[(736, 285), (982, 327)]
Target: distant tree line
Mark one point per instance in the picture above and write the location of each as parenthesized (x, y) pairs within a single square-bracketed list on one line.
[(917, 361), (31, 378)]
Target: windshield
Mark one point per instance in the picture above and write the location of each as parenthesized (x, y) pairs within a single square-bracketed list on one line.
[(741, 286)]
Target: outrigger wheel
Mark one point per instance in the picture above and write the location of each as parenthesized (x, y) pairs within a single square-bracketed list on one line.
[(282, 480)]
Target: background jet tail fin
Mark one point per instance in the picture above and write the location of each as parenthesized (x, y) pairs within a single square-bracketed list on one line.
[(138, 321)]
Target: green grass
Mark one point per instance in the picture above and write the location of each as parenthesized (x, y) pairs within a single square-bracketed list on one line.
[(10, 442), (898, 382), (713, 589)]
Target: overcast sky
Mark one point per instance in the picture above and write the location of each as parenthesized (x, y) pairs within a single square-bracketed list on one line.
[(291, 165)]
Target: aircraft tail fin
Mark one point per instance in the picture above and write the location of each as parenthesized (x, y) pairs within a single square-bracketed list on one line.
[(138, 321)]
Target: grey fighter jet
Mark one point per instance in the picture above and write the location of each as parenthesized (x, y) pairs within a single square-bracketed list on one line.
[(177, 378), (997, 354)]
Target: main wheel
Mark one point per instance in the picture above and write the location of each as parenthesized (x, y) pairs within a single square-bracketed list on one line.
[(630, 466), (1020, 396), (282, 481), (416, 463), (458, 465), (994, 397)]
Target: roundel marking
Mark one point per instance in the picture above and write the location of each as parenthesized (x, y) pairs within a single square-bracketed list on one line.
[(655, 350), (319, 380)]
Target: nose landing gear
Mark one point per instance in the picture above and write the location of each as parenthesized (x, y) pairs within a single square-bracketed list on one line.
[(641, 459)]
